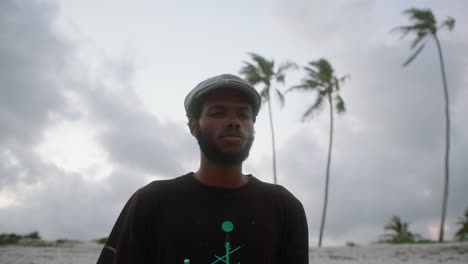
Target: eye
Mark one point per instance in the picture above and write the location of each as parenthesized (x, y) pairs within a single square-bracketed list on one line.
[(244, 115), (217, 113)]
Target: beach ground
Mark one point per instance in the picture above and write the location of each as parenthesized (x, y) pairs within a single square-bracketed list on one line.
[(88, 252), (456, 253)]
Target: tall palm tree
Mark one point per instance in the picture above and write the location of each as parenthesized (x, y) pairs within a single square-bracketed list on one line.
[(425, 27), (321, 78), (263, 71)]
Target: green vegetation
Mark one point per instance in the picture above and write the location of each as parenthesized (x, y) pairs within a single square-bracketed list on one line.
[(263, 71), (321, 79), (6, 239), (101, 240), (33, 235), (462, 233), (66, 241), (425, 27), (400, 233), (12, 238)]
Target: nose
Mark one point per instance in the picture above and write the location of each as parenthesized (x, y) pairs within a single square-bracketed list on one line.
[(233, 122)]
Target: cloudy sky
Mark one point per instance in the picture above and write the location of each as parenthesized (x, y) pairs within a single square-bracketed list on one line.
[(91, 109)]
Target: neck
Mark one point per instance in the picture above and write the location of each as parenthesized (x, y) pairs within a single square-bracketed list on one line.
[(217, 175)]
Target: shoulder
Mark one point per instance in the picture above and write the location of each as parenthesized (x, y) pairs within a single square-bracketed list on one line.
[(160, 188), (279, 193), (287, 199)]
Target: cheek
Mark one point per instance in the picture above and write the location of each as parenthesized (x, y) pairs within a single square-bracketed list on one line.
[(249, 128), (206, 127)]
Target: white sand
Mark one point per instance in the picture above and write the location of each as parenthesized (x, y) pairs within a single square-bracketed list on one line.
[(456, 253), (87, 253), (81, 253)]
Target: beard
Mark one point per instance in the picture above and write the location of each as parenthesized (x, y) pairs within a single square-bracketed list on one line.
[(215, 155)]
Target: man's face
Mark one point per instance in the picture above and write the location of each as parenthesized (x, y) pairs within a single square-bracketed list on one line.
[(225, 130)]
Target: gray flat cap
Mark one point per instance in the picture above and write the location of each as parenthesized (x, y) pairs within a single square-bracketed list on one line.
[(228, 81)]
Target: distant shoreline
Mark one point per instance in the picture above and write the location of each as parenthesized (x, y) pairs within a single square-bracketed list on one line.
[(81, 252)]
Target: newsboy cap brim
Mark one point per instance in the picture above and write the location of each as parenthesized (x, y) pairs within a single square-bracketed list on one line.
[(224, 81)]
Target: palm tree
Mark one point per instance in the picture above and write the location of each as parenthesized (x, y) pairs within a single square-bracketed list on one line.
[(263, 71), (462, 233), (401, 233), (320, 78), (425, 26)]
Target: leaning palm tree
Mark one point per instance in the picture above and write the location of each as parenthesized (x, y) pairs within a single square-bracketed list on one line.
[(425, 27), (263, 71), (321, 78)]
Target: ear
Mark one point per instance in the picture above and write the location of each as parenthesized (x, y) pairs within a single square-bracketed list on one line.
[(193, 125)]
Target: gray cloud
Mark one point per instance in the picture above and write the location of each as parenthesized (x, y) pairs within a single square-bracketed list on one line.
[(387, 152), (43, 84), (32, 57), (388, 148), (135, 138)]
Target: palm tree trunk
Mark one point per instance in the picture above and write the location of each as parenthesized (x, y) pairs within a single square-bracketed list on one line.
[(272, 142), (327, 180), (447, 144)]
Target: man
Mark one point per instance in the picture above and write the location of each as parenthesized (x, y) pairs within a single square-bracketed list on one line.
[(217, 214)]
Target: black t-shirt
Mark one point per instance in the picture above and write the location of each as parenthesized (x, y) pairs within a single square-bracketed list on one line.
[(181, 221)]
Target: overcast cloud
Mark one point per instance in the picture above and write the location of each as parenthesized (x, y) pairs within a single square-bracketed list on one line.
[(83, 126)]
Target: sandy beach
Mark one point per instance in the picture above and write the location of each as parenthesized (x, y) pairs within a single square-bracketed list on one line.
[(392, 254), (87, 253)]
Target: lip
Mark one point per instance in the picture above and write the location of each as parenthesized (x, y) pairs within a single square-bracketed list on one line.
[(232, 139), (232, 135)]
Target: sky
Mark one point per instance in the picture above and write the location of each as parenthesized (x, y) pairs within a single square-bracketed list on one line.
[(91, 109)]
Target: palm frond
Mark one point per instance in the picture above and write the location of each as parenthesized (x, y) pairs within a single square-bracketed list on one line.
[(422, 16), (404, 29), (303, 87), (280, 97), (341, 80), (287, 66), (449, 23), (415, 54), (280, 78), (340, 105), (394, 225), (265, 94), (337, 84), (316, 106), (462, 233), (280, 73), (265, 66), (421, 35), (316, 77), (251, 73), (314, 84), (310, 70), (261, 70), (325, 70)]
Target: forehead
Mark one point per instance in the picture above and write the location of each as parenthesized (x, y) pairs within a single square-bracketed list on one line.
[(227, 96)]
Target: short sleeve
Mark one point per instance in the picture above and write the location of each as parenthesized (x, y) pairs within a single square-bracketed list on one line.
[(295, 237), (131, 235)]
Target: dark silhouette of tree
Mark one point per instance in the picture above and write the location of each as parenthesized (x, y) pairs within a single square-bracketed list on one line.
[(32, 235), (425, 27), (462, 233), (399, 232), (263, 71), (320, 78)]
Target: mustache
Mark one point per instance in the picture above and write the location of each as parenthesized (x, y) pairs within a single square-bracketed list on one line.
[(231, 132)]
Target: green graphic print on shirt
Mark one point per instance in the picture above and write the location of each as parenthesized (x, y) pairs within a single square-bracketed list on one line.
[(169, 221), (226, 226)]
